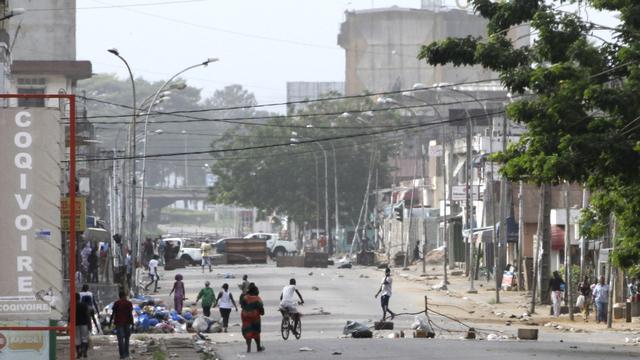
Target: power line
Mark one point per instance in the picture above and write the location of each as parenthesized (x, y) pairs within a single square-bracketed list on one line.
[(300, 142), (287, 103)]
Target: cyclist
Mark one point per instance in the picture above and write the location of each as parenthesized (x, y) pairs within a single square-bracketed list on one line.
[(288, 302)]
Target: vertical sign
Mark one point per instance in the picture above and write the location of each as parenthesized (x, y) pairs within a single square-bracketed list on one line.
[(31, 286)]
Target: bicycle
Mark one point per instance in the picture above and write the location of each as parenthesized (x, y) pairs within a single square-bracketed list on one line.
[(287, 325)]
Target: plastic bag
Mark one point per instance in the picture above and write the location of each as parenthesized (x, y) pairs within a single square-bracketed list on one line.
[(354, 326), (580, 301), (421, 323)]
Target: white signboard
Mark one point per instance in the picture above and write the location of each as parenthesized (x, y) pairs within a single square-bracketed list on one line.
[(459, 193), (31, 155), (435, 150)]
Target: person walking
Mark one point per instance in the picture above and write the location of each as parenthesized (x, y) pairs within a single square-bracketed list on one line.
[(93, 265), (161, 249), (207, 296), (584, 288), (147, 251), (153, 274), (122, 318), (385, 289), (86, 296), (83, 324), (245, 284), (206, 250), (556, 285), (84, 263), (224, 301), (178, 293), (601, 298), (252, 310)]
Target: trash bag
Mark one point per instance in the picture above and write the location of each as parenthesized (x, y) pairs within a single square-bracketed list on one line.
[(200, 324), (580, 301), (421, 323), (354, 326)]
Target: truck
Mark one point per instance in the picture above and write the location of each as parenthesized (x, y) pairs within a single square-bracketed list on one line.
[(275, 245), (185, 249)]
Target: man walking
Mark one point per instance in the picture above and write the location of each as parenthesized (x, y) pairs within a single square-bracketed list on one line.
[(207, 295), (556, 286), (601, 296), (206, 254), (153, 274), (82, 328), (385, 289), (123, 320)]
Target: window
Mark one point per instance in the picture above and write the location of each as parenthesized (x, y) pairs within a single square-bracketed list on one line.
[(22, 102)]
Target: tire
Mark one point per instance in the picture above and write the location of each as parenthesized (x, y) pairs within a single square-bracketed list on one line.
[(279, 251), (298, 330), (187, 259), (284, 327)]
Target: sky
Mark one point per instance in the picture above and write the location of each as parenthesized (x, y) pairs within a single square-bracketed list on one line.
[(261, 44)]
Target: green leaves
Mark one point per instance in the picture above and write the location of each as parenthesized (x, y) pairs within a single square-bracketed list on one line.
[(583, 113)]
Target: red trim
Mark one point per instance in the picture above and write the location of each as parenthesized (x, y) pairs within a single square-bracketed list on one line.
[(71, 327)]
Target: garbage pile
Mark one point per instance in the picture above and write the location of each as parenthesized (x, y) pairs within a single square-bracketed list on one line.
[(153, 316)]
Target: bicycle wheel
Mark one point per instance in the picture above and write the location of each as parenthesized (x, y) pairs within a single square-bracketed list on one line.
[(297, 332), (284, 327)]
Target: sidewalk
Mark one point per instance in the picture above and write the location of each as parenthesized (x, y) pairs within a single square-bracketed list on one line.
[(512, 310), (142, 347)]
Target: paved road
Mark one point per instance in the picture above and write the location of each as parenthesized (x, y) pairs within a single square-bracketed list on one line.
[(428, 349), (347, 294)]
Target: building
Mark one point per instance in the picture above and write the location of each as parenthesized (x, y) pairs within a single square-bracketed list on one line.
[(310, 90)]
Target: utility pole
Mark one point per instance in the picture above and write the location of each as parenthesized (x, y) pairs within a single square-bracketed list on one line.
[(520, 235), (612, 273), (545, 261), (470, 216), (567, 249), (504, 213), (424, 227), (536, 260), (445, 239), (583, 238)]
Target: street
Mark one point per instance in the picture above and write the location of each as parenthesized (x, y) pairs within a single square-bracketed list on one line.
[(347, 294)]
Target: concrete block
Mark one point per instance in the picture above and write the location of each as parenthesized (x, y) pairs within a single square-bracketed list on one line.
[(527, 334), (290, 261), (383, 325)]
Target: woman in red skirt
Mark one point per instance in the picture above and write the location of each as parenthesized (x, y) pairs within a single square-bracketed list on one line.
[(252, 310)]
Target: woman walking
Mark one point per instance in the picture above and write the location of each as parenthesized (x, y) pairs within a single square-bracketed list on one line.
[(252, 310), (225, 301), (178, 294)]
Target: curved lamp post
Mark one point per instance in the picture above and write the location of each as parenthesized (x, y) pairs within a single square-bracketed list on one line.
[(132, 167), (144, 151)]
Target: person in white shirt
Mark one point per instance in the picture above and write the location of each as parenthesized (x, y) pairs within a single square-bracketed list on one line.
[(153, 273), (385, 289), (224, 302), (288, 302), (601, 298)]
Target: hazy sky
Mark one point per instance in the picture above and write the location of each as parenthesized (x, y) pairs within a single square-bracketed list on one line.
[(261, 44)]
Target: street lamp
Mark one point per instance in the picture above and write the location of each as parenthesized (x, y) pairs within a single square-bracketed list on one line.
[(12, 13), (132, 151), (179, 85), (326, 187)]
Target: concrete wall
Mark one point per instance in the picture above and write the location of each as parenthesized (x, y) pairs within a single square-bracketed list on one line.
[(381, 46), (44, 35)]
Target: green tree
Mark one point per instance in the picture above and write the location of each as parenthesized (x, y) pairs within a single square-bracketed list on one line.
[(290, 179), (578, 98)]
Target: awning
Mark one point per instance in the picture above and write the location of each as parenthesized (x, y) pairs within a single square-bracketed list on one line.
[(557, 237)]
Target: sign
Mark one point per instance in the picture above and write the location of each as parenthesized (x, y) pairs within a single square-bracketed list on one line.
[(24, 345), (459, 193), (81, 214), (31, 152), (435, 150)]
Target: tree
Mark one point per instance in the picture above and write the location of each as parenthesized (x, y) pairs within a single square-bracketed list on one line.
[(289, 179), (577, 94)]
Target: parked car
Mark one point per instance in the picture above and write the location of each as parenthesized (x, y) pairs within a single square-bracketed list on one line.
[(187, 249), (275, 245)]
